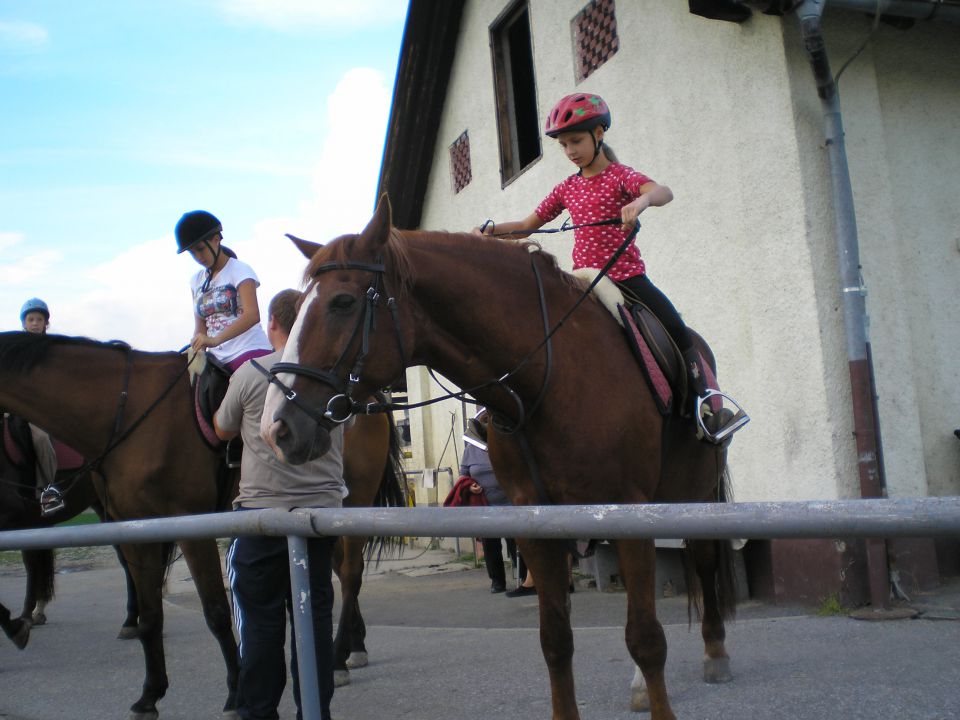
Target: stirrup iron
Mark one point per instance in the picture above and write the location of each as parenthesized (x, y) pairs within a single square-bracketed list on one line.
[(51, 501), (720, 435)]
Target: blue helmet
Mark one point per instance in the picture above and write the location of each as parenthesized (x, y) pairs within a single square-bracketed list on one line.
[(34, 305)]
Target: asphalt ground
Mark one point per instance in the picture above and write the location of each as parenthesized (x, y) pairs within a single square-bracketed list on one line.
[(442, 647)]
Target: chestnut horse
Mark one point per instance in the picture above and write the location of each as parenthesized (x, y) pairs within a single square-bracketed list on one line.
[(133, 413), (574, 422)]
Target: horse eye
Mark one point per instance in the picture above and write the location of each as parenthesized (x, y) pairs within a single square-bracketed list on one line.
[(343, 302)]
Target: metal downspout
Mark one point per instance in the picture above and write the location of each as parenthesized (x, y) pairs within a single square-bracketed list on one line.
[(865, 420)]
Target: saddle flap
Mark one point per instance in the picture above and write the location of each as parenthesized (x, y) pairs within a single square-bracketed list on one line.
[(67, 457), (652, 371), (209, 389)]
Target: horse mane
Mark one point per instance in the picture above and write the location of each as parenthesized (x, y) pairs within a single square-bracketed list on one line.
[(341, 250), (21, 351)]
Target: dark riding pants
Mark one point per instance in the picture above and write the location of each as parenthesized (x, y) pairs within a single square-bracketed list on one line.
[(260, 579), (493, 558), (651, 296)]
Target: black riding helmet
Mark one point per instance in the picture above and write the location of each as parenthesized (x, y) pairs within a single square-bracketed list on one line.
[(194, 227)]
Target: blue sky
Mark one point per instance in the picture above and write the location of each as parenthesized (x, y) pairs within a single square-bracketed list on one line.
[(118, 116)]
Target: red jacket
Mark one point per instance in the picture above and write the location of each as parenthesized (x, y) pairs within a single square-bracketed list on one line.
[(460, 495)]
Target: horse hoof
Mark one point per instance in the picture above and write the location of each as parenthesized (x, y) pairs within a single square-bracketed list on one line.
[(128, 632), (20, 635), (38, 618), (639, 700), (357, 660), (145, 715), (717, 670), (341, 678)]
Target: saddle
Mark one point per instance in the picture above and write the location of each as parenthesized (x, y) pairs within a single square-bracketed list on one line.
[(18, 445), (657, 354), (211, 378)]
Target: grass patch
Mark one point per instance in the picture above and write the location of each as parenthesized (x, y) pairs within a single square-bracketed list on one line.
[(88, 517), (830, 607)]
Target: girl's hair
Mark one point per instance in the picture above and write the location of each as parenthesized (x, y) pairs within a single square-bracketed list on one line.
[(230, 253), (608, 151)]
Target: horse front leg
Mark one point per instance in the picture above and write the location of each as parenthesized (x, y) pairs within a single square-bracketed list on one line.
[(148, 565), (547, 560), (203, 559), (713, 560), (644, 634)]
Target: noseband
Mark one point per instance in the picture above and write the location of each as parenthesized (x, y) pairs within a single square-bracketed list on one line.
[(342, 406)]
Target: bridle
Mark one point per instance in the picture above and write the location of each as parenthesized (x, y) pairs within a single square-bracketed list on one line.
[(341, 407)]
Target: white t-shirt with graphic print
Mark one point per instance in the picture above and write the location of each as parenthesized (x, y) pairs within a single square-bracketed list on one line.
[(219, 306)]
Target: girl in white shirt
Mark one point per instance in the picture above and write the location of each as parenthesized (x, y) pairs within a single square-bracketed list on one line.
[(226, 313)]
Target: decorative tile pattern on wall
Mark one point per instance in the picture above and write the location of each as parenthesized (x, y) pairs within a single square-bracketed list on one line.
[(594, 36), (460, 162)]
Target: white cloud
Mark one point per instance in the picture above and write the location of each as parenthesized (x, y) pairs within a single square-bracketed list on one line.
[(295, 14), (345, 178), (28, 268), (22, 34), (9, 239)]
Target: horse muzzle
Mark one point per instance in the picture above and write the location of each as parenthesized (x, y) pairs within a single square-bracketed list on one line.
[(296, 438)]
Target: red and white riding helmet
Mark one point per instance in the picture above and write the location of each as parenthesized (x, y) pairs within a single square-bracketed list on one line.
[(581, 111)]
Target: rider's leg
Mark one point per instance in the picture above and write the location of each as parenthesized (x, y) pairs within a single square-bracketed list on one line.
[(651, 296), (725, 423)]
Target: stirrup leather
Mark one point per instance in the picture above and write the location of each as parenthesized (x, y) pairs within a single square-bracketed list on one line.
[(51, 501), (718, 436)]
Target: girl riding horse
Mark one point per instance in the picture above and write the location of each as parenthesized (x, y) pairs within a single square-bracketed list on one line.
[(603, 188)]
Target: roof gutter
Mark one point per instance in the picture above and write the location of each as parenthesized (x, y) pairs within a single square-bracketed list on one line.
[(948, 10), (853, 291)]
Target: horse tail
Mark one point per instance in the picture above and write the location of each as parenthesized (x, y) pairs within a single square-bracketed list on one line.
[(167, 557), (391, 493), (715, 558)]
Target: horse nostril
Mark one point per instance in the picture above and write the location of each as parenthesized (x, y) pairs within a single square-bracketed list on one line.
[(282, 430)]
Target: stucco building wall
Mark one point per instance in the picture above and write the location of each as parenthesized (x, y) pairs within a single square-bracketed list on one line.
[(728, 117)]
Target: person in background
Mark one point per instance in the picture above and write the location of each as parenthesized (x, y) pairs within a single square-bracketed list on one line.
[(258, 567), (226, 313), (476, 465), (35, 318)]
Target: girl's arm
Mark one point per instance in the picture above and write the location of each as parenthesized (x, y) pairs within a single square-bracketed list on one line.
[(250, 317), (521, 227), (651, 194)]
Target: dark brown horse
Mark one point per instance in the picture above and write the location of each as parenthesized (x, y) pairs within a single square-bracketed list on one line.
[(589, 428), (20, 509), (134, 410)]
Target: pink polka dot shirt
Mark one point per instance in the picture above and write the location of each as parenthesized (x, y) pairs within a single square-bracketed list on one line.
[(600, 197)]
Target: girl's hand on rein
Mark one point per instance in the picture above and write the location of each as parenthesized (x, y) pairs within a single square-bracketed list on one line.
[(201, 341), (631, 211)]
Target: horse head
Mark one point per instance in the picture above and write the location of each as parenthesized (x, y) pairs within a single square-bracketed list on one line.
[(346, 342)]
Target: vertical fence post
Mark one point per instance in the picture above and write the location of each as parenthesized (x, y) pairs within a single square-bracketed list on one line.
[(303, 625)]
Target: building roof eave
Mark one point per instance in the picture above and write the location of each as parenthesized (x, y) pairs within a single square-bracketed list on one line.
[(423, 74)]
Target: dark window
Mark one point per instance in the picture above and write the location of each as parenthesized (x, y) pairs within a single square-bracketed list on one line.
[(594, 36), (460, 162), (516, 92)]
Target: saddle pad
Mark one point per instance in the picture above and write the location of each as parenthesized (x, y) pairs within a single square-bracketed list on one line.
[(14, 453), (205, 425), (67, 457), (651, 370)]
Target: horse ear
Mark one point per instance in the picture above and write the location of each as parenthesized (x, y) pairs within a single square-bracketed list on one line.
[(306, 247), (379, 226)]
